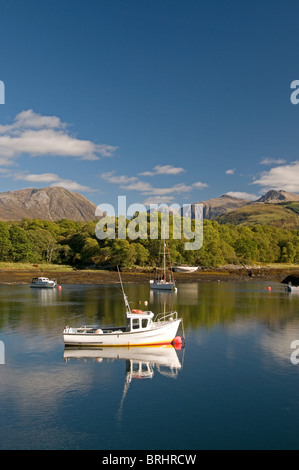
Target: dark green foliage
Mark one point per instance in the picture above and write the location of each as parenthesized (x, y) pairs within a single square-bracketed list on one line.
[(76, 244)]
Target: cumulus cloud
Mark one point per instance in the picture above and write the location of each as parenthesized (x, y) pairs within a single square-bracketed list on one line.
[(53, 180), (37, 135), (242, 195), (231, 171), (132, 183), (283, 177), (121, 179), (163, 170)]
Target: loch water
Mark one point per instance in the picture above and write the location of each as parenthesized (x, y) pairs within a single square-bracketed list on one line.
[(234, 384)]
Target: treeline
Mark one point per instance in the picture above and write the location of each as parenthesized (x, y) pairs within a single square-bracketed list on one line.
[(75, 243)]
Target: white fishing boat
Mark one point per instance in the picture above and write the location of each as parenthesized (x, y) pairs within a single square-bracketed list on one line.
[(185, 269), (43, 282), (142, 328), (160, 282)]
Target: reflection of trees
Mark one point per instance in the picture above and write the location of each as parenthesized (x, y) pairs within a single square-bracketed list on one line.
[(199, 304)]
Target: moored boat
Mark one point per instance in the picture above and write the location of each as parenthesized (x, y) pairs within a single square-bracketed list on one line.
[(160, 282), (185, 269), (142, 328), (43, 282)]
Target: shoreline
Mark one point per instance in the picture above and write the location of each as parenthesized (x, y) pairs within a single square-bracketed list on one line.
[(89, 277)]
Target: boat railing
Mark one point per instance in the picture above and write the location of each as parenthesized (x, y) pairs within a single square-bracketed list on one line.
[(84, 328), (166, 316)]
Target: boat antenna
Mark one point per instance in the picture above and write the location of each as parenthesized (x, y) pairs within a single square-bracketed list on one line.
[(128, 309)]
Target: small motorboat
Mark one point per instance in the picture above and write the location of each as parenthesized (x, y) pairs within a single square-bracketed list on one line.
[(43, 282), (142, 328)]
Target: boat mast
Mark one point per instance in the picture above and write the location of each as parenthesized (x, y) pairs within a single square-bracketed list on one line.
[(128, 309), (164, 254)]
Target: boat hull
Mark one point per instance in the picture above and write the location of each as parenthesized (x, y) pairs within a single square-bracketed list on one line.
[(185, 269), (162, 286), (43, 286), (161, 334)]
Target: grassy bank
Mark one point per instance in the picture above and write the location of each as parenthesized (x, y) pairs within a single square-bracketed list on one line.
[(22, 273)]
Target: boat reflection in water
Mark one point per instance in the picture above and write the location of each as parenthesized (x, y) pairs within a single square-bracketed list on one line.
[(140, 361)]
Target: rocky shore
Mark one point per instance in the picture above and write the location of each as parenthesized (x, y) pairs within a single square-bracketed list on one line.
[(225, 274)]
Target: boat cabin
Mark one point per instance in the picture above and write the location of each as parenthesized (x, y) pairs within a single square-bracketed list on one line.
[(139, 320), (39, 280)]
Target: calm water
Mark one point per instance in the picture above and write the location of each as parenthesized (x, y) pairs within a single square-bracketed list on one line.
[(233, 386)]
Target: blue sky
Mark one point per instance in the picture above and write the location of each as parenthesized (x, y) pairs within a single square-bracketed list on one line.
[(158, 100)]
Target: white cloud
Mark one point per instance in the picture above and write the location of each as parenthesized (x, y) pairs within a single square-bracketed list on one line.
[(231, 171), (29, 119), (163, 170), (121, 179), (283, 177), (53, 180), (241, 195), (37, 135), (158, 200), (273, 161), (200, 185), (131, 183)]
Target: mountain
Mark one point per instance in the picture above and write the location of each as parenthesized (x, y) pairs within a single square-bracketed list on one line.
[(53, 203), (215, 207), (283, 215), (275, 197)]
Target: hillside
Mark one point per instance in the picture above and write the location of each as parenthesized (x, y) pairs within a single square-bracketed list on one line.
[(215, 207), (275, 197), (52, 203), (283, 215)]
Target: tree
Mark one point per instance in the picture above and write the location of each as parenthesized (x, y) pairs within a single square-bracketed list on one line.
[(5, 243), (20, 245), (246, 249)]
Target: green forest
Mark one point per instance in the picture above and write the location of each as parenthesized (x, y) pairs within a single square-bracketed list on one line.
[(75, 244)]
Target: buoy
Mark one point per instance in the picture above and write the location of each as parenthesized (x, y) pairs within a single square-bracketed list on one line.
[(178, 343), (59, 287), (145, 302), (178, 340), (269, 288)]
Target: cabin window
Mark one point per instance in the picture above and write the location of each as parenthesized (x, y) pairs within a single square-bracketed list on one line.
[(144, 323), (135, 323)]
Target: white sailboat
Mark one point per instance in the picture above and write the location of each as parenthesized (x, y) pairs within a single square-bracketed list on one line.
[(142, 328), (161, 282)]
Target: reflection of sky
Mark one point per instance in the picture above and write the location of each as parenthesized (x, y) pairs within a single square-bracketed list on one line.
[(230, 382)]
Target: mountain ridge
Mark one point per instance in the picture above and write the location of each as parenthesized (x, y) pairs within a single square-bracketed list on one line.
[(56, 203), (50, 203)]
